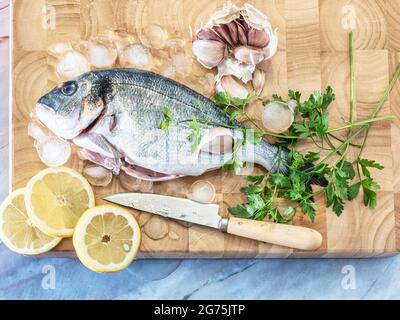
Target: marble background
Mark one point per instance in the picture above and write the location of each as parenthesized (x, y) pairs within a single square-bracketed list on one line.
[(37, 278)]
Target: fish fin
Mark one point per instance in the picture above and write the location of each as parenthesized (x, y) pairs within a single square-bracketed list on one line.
[(146, 174), (98, 150)]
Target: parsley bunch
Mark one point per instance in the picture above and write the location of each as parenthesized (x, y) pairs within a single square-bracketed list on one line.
[(346, 178)]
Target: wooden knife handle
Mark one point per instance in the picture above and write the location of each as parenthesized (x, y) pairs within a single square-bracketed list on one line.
[(280, 234)]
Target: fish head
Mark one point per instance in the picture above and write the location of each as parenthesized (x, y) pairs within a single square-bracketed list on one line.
[(73, 106)]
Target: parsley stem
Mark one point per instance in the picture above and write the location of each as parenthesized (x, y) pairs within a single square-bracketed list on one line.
[(380, 104), (344, 144), (362, 123), (342, 140)]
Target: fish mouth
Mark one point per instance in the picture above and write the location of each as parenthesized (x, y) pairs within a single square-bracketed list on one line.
[(67, 129)]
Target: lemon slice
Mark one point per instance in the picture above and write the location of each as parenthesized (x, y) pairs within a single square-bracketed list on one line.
[(17, 231), (107, 239), (56, 198)]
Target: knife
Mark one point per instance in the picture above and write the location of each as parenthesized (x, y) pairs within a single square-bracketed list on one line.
[(207, 215)]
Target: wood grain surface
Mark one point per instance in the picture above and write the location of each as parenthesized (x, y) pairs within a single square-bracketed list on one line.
[(313, 42)]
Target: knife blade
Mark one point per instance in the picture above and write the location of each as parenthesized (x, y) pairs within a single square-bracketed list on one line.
[(172, 207), (207, 215)]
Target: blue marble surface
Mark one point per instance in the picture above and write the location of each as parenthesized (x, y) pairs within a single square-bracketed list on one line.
[(37, 278)]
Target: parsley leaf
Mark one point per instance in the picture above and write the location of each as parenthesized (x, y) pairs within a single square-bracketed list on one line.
[(167, 119), (365, 164), (195, 136)]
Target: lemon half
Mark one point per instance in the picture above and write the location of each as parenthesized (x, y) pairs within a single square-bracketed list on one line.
[(107, 239), (17, 231), (56, 198)]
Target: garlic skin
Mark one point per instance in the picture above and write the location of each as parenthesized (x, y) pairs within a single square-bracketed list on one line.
[(231, 85), (136, 56), (277, 117), (258, 81), (254, 17), (228, 13), (72, 64), (249, 39), (231, 66), (209, 52)]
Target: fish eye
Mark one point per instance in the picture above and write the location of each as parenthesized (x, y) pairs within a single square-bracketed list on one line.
[(68, 88)]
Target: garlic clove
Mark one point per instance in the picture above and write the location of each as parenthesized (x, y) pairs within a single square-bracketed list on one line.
[(257, 38), (272, 47), (209, 52), (231, 66), (154, 37), (97, 175), (258, 81), (208, 34), (277, 117), (72, 64), (231, 85), (223, 32), (233, 31), (242, 36), (136, 56), (249, 55)]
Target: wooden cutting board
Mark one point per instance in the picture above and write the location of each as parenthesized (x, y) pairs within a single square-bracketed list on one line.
[(313, 41)]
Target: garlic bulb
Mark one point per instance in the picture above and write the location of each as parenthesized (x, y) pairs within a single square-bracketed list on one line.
[(231, 85), (202, 191), (209, 52), (248, 38), (72, 64), (136, 56), (277, 116)]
